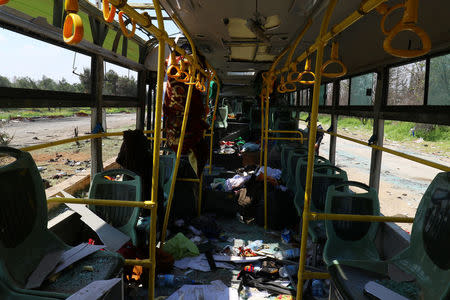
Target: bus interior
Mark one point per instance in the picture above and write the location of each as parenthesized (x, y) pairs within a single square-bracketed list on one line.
[(264, 199)]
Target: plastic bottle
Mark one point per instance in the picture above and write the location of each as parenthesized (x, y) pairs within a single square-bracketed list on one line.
[(317, 288), (287, 254), (255, 245), (171, 280), (289, 270)]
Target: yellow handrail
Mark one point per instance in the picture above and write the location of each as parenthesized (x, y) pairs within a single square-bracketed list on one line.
[(178, 157), (145, 22), (365, 7), (394, 152), (311, 152), (156, 142), (74, 139), (313, 216)]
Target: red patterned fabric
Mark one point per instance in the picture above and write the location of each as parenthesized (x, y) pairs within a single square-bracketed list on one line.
[(174, 103)]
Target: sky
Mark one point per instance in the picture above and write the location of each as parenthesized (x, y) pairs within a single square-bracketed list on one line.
[(22, 56)]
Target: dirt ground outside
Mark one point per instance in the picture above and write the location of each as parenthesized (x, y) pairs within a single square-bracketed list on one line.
[(58, 163)]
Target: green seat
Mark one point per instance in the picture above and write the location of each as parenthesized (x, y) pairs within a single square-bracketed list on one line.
[(166, 168), (8, 293), (185, 196), (25, 239), (427, 257), (285, 150), (300, 179), (324, 176), (129, 188), (293, 157), (349, 241)]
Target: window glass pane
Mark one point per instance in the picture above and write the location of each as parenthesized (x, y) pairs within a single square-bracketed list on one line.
[(362, 89), (407, 84), (322, 94), (439, 84), (304, 97), (329, 99), (343, 92), (119, 81), (48, 68)]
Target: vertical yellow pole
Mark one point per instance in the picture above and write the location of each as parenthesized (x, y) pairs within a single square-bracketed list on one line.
[(266, 142), (311, 142), (262, 131), (200, 194), (156, 146), (212, 125), (177, 160)]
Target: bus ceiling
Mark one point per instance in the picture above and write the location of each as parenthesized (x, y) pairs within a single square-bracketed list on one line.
[(245, 36)]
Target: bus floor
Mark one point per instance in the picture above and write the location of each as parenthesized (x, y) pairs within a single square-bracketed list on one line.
[(234, 234)]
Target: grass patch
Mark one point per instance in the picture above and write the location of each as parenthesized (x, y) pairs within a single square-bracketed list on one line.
[(8, 114)]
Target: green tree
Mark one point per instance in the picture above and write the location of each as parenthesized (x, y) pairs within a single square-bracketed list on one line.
[(111, 83), (46, 83), (4, 82), (85, 80), (24, 83), (127, 86)]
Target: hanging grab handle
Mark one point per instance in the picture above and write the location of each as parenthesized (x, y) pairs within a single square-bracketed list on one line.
[(290, 76), (126, 33), (334, 58), (73, 24), (170, 70), (108, 14), (306, 72), (192, 72), (281, 88), (407, 23), (184, 76)]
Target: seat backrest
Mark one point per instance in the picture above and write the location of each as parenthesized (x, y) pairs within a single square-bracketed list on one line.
[(166, 168), (428, 255), (301, 168), (104, 186), (293, 157), (341, 200), (324, 176), (285, 151), (24, 237)]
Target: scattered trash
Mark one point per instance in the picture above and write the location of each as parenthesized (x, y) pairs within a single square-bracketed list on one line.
[(288, 254), (217, 290), (199, 263), (317, 288), (250, 147), (288, 270), (180, 246), (286, 236), (171, 280)]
